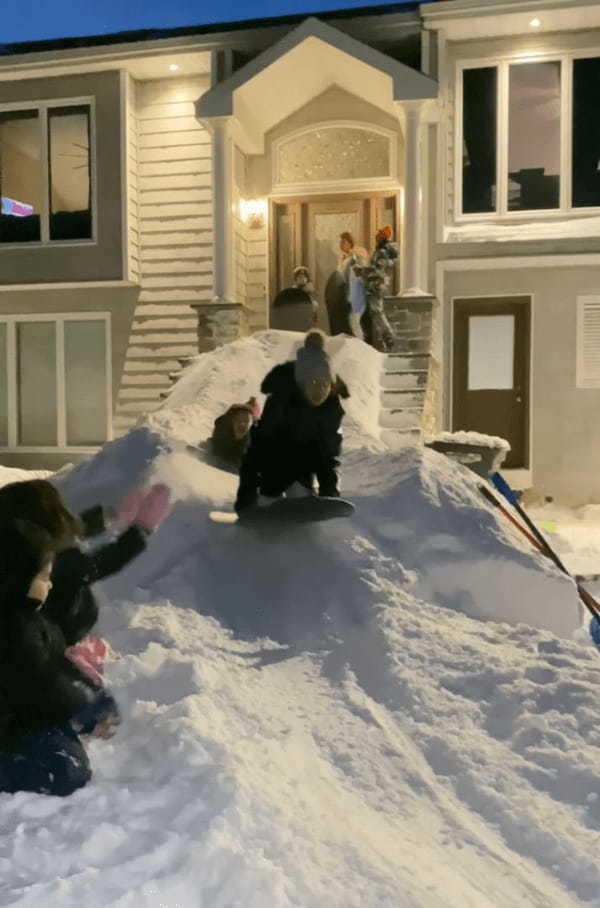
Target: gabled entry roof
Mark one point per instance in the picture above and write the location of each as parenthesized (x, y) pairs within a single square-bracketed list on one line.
[(300, 66)]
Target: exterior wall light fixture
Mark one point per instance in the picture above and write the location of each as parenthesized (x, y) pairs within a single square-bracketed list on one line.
[(253, 212)]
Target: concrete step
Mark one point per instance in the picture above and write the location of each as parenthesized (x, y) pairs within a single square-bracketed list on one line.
[(407, 418), (399, 361), (397, 400), (411, 346), (397, 438), (404, 380)]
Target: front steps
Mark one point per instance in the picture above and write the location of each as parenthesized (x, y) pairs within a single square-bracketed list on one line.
[(408, 374)]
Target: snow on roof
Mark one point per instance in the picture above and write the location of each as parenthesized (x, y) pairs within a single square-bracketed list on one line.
[(375, 711)]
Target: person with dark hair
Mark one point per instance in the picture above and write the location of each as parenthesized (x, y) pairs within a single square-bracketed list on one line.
[(295, 308), (231, 433), (298, 436), (46, 607)]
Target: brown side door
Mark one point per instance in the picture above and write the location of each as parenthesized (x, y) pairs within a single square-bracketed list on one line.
[(491, 359)]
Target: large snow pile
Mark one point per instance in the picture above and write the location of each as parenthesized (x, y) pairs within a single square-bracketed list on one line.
[(361, 713)]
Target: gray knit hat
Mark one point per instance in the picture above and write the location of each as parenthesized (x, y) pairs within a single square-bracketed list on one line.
[(311, 360)]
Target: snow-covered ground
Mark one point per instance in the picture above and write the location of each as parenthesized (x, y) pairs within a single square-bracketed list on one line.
[(384, 711)]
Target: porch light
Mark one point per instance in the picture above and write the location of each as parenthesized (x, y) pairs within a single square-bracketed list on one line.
[(253, 212), (535, 23), (173, 67)]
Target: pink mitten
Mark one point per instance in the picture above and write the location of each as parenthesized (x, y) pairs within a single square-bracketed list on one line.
[(127, 508), (154, 508), (89, 655)]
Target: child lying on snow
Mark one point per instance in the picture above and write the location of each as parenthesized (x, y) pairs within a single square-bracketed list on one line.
[(298, 435), (49, 694), (231, 432)]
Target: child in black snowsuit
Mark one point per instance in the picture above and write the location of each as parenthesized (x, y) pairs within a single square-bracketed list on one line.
[(298, 436), (46, 605)]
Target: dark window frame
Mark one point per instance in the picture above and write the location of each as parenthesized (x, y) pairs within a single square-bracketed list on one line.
[(44, 109)]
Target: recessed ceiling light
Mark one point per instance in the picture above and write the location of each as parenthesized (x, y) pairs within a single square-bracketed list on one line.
[(535, 23), (173, 67)]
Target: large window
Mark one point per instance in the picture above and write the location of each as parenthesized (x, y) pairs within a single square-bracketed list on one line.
[(54, 381), (46, 172), (530, 136)]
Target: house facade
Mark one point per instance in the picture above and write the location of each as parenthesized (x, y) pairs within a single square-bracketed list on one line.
[(159, 188)]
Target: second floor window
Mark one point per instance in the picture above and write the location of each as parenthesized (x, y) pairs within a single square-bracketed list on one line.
[(531, 137), (46, 173)]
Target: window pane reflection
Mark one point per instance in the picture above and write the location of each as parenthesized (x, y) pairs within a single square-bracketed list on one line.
[(534, 136)]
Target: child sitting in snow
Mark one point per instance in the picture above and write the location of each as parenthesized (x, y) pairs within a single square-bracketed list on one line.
[(231, 432), (49, 691), (298, 436)]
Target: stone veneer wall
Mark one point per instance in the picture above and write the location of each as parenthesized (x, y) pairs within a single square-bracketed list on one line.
[(220, 323)]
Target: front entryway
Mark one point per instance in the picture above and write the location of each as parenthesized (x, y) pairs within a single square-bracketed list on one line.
[(491, 371), (306, 231)]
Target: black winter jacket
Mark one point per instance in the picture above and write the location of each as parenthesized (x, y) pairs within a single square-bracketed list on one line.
[(40, 688), (292, 440), (71, 603)]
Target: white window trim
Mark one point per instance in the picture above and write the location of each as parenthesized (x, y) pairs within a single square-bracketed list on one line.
[(502, 215), (42, 107), (580, 377), (58, 318)]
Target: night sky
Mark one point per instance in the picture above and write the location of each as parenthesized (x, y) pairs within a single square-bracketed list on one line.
[(32, 20)]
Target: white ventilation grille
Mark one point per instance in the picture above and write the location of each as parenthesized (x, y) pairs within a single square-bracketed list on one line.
[(588, 342)]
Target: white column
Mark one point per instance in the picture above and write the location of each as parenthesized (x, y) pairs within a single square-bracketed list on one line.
[(222, 174), (409, 113)]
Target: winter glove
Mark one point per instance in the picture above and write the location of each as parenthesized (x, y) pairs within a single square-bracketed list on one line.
[(98, 716), (154, 508), (245, 499), (128, 508), (89, 655)]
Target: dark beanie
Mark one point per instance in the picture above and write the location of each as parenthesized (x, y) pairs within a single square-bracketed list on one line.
[(311, 360), (24, 547)]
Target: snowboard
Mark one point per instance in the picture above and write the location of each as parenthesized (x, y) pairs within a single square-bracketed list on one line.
[(289, 511)]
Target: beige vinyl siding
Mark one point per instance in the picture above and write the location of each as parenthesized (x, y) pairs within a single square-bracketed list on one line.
[(256, 278), (249, 253), (174, 220)]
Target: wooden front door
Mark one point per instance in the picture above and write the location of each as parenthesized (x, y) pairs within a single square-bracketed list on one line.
[(306, 231), (491, 371)]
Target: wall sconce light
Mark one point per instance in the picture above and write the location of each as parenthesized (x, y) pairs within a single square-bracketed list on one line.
[(535, 23), (253, 212)]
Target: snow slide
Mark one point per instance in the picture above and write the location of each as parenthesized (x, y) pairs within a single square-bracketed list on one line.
[(383, 711)]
